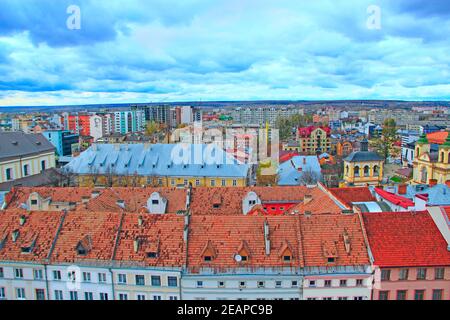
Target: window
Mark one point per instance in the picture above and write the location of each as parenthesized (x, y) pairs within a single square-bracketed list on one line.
[(2, 275), (328, 283), (359, 282), (401, 295), (331, 260), (141, 297), (419, 294), (385, 275), (157, 298), (72, 276), (199, 284), (56, 275), (18, 273), (123, 296), (376, 171), (343, 283), (327, 298), (439, 273), (156, 281), (241, 284), (140, 280), (421, 273), (234, 183), (86, 276), (88, 296), (173, 298), (38, 275), (26, 170), (9, 175), (59, 295), (102, 277), (197, 182), (358, 298), (356, 170), (20, 293), (221, 284), (312, 283), (43, 165), (261, 284), (172, 281), (294, 284), (213, 183), (278, 284), (207, 258), (122, 278), (2, 293), (403, 274), (342, 298), (383, 295), (103, 296), (287, 258), (437, 294), (73, 295), (366, 171)]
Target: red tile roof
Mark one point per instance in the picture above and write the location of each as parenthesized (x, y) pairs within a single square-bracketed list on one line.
[(38, 226), (327, 233), (225, 235), (394, 198), (438, 137), (161, 234), (306, 131), (231, 199), (100, 227), (349, 195), (403, 239)]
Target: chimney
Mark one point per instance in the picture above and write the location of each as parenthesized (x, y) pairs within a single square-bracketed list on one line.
[(308, 213), (136, 245), (308, 198), (22, 220), (266, 237), (447, 183), (402, 189), (84, 200)]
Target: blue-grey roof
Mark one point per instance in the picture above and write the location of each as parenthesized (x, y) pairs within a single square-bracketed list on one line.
[(438, 195), (158, 160), (360, 156), (289, 174)]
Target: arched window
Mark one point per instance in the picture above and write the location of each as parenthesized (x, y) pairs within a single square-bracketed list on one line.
[(417, 152), (424, 175), (366, 171), (347, 170), (442, 156), (356, 170), (376, 171), (448, 158)]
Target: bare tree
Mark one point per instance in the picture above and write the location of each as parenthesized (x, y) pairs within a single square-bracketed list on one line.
[(110, 174), (309, 177)]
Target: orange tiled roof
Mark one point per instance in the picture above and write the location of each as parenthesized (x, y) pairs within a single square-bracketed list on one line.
[(349, 195), (40, 227), (203, 198), (102, 229), (325, 233), (135, 199), (226, 234), (160, 234), (438, 137)]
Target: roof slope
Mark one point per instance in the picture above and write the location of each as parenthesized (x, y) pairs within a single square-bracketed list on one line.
[(15, 144), (350, 195), (405, 239)]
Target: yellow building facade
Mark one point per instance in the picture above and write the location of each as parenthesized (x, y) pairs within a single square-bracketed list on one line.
[(363, 167), (431, 167)]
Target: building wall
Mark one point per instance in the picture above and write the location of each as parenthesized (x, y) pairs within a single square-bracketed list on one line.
[(350, 177), (316, 287), (33, 162), (394, 284)]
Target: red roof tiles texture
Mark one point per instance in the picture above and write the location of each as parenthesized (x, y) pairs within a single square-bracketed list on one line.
[(349, 195), (402, 239)]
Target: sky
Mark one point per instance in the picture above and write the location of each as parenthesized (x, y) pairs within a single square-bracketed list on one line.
[(134, 51)]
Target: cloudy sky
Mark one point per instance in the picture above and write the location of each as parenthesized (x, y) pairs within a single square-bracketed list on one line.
[(185, 50)]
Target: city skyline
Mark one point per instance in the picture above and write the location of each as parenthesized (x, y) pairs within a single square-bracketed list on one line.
[(166, 51)]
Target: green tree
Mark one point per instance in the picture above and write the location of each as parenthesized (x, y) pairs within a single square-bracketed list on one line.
[(385, 144), (152, 127)]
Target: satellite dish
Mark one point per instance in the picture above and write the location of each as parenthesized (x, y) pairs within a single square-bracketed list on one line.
[(238, 258)]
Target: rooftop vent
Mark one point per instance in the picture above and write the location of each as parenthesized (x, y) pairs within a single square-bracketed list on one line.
[(15, 235), (121, 203), (22, 220), (308, 198)]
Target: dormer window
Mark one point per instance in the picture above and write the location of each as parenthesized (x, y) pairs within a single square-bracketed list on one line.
[(152, 255), (155, 202), (286, 253), (287, 258), (243, 252), (331, 260), (207, 258), (84, 246), (208, 253)]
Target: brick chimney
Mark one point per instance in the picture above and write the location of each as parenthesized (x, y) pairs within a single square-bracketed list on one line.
[(433, 182), (402, 189)]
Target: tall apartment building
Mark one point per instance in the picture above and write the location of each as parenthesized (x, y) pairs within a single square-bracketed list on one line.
[(262, 115), (129, 121)]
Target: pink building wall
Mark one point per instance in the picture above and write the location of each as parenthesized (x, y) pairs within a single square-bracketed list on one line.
[(412, 284)]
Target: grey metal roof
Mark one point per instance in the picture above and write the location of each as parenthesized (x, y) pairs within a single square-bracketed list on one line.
[(363, 156), (16, 144)]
